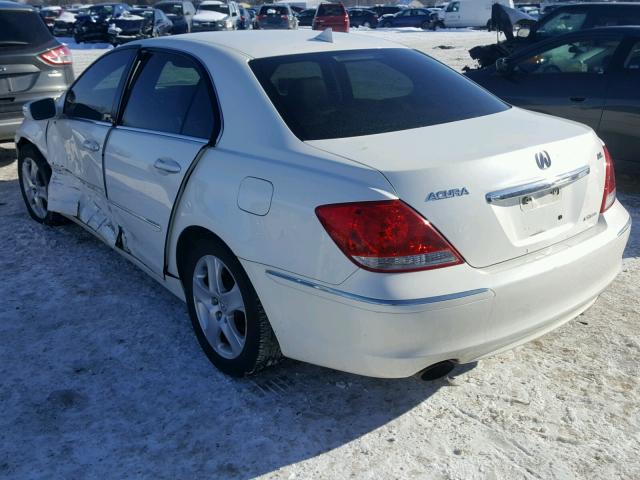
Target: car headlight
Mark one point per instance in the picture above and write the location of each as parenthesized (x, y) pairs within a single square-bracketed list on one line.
[(228, 23)]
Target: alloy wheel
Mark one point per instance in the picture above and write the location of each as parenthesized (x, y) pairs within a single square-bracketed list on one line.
[(35, 187), (219, 307)]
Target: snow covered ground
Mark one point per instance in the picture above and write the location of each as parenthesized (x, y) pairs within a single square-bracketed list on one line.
[(101, 377)]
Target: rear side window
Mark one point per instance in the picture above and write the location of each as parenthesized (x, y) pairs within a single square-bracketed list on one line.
[(613, 15), (22, 29), (330, 10), (365, 92), (171, 95), (94, 95), (633, 59)]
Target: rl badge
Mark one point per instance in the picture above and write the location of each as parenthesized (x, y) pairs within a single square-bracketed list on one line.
[(442, 194)]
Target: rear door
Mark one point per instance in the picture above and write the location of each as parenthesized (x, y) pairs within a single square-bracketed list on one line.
[(169, 117), (620, 125), (567, 78)]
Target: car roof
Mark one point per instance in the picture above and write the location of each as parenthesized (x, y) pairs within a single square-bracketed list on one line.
[(271, 43), (15, 6)]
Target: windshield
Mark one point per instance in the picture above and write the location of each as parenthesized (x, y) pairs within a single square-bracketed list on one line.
[(561, 22), (170, 8), (274, 10), (365, 92), (22, 29), (215, 8)]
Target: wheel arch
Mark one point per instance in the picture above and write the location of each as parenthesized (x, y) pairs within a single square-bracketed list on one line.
[(187, 236)]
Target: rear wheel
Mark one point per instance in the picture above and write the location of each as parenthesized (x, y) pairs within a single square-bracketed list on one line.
[(366, 24), (426, 25), (34, 174), (227, 316)]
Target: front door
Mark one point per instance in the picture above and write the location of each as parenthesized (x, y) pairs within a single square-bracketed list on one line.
[(168, 119), (620, 126), (567, 80)]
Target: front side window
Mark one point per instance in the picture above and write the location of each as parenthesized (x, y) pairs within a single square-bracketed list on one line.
[(589, 56), (633, 59), (453, 7), (563, 22), (94, 95), (170, 95), (365, 92)]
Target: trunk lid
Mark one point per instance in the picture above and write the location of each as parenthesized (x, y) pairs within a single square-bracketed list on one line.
[(479, 183)]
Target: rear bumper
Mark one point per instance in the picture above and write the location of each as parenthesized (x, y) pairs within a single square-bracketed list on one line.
[(385, 325), (10, 121), (8, 127)]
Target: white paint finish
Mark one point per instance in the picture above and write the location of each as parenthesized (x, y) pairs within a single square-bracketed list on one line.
[(291, 239), (498, 151), (399, 341), (254, 195), (143, 193), (76, 146), (472, 13)]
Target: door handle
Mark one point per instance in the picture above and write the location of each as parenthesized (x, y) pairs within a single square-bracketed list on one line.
[(577, 99), (167, 165), (91, 145)]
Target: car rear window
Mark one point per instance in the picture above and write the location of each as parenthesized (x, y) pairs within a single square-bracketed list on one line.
[(274, 10), (20, 29), (364, 92), (330, 10)]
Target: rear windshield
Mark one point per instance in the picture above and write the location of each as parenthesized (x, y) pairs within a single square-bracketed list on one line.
[(365, 92), (274, 10), (20, 29), (330, 10)]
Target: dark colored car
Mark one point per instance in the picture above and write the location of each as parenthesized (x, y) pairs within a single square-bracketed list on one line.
[(361, 17), (49, 16), (94, 25), (590, 76), (139, 23), (305, 17), (246, 19), (65, 24), (331, 15), (381, 10), (276, 17), (408, 17), (33, 64), (180, 13), (561, 20)]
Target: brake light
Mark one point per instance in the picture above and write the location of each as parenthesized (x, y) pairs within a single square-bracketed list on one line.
[(262, 17), (386, 236), (284, 16), (57, 56), (609, 195)]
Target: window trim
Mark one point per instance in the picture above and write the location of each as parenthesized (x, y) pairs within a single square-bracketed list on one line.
[(216, 133), (119, 93)]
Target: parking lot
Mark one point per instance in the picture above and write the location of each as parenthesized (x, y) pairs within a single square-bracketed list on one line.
[(101, 376)]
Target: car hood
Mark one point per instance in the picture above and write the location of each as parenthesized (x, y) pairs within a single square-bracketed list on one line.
[(446, 171), (208, 16)]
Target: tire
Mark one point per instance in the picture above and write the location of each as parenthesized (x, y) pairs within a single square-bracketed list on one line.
[(426, 25), (34, 174), (214, 319), (366, 24)]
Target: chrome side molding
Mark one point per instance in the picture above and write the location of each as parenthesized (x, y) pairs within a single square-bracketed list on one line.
[(539, 186), (483, 292)]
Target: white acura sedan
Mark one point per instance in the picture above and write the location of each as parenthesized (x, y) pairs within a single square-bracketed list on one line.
[(340, 200)]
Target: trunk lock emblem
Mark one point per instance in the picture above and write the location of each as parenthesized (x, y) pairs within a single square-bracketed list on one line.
[(543, 159)]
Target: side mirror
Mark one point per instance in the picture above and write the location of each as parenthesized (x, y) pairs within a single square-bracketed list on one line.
[(524, 32), (43, 109), (504, 66)]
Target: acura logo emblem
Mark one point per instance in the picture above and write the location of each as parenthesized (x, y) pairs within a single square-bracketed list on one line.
[(543, 160)]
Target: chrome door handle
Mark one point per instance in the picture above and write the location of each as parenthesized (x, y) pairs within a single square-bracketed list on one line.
[(167, 165), (91, 145)]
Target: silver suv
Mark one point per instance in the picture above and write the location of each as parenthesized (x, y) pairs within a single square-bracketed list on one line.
[(33, 64)]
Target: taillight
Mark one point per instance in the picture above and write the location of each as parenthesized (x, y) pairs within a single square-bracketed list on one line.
[(386, 236), (57, 56), (284, 17), (609, 195)]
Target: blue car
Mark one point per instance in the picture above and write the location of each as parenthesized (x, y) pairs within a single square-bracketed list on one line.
[(408, 17)]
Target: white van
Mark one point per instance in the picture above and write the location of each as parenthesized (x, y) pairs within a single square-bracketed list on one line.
[(470, 13)]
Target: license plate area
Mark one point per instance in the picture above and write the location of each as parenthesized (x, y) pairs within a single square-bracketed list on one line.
[(542, 212)]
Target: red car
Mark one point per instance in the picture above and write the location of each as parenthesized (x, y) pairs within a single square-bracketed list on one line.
[(331, 15)]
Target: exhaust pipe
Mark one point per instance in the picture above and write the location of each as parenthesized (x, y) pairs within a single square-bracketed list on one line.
[(437, 370)]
